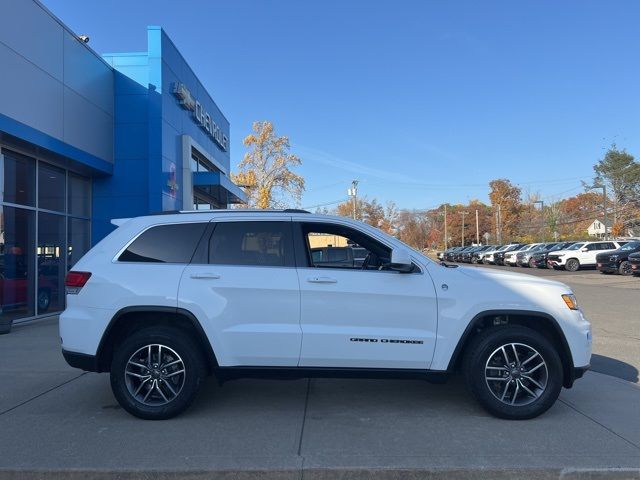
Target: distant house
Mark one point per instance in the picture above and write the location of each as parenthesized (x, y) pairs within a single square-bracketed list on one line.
[(597, 229)]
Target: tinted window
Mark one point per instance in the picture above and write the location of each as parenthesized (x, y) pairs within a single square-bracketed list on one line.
[(630, 246), (165, 244), (267, 244)]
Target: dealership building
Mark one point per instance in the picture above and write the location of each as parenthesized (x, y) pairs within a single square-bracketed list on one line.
[(85, 138)]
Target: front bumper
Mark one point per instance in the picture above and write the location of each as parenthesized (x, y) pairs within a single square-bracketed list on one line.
[(82, 361), (607, 267)]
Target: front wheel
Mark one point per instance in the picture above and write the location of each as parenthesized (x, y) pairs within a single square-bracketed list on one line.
[(532, 263), (625, 268), (156, 373), (572, 265), (514, 372)]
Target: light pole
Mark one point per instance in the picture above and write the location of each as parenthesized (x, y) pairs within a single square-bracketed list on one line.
[(445, 226), (353, 193), (477, 229), (604, 204), (541, 202), (463, 214)]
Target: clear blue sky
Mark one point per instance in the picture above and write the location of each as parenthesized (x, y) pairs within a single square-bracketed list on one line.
[(423, 101)]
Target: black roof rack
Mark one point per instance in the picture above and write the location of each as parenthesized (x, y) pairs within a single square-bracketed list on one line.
[(286, 210)]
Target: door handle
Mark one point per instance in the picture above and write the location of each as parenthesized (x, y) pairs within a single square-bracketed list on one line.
[(205, 275), (321, 280)]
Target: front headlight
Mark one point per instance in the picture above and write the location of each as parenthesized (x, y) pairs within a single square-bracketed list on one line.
[(560, 255), (570, 300)]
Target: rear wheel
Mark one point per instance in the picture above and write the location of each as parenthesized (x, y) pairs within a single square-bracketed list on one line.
[(625, 268), (156, 373), (532, 263), (572, 265), (514, 372)]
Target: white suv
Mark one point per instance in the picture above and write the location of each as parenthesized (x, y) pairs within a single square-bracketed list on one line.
[(165, 300), (579, 255)]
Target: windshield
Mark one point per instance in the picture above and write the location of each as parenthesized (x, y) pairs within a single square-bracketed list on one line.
[(576, 246), (630, 246)]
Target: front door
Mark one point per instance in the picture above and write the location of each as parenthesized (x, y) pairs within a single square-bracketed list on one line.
[(244, 290), (357, 313)]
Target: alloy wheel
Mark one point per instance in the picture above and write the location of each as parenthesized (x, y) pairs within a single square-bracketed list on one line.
[(155, 375), (516, 374)]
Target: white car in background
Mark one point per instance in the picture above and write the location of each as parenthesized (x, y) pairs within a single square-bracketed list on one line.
[(510, 258), (581, 254)]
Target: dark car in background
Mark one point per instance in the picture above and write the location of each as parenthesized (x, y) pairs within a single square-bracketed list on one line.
[(457, 257), (450, 253), (467, 255), (479, 253), (617, 261), (634, 261), (539, 258)]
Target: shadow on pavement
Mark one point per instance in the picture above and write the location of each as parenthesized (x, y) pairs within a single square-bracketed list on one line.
[(613, 367)]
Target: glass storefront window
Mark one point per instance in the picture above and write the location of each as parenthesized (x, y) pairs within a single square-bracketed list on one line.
[(51, 268), (17, 264), (33, 265), (78, 240), (51, 187), (79, 196), (18, 178)]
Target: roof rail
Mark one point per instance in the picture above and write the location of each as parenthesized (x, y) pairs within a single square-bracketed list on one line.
[(232, 210)]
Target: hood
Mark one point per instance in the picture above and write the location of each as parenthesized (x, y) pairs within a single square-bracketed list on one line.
[(505, 276)]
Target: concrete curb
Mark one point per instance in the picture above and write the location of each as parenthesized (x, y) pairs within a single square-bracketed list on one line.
[(329, 473)]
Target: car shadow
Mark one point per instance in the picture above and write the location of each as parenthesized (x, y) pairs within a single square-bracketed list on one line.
[(613, 367)]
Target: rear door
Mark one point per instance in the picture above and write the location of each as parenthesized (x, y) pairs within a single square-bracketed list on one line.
[(243, 288)]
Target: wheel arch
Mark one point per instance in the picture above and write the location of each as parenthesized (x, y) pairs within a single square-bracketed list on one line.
[(129, 319), (547, 325)]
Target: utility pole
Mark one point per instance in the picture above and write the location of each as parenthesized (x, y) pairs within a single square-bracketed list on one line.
[(477, 229), (541, 202), (499, 226), (604, 204), (445, 226), (463, 214), (353, 193)]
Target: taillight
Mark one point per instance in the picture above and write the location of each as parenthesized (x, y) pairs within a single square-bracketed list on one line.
[(75, 281)]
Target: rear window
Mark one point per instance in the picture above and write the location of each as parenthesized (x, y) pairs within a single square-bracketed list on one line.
[(173, 243)]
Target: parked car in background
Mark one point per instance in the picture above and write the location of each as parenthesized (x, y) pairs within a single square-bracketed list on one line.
[(457, 257), (478, 255), (489, 256), (467, 255), (523, 257), (539, 259), (450, 253), (634, 260), (511, 258), (581, 254), (618, 260), (498, 258)]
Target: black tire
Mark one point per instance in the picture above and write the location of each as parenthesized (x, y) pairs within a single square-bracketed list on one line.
[(572, 265), (532, 263), (625, 268), (176, 342), (44, 299), (482, 348)]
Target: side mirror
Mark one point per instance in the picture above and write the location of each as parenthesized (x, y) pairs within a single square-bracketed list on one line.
[(584, 249), (400, 261)]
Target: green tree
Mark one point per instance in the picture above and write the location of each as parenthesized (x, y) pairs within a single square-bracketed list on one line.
[(620, 173)]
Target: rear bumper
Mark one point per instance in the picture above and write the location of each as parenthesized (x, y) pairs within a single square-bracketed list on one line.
[(82, 361)]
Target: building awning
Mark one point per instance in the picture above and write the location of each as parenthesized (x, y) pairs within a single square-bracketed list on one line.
[(218, 186)]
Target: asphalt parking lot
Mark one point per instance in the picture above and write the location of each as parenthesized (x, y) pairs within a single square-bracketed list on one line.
[(57, 422)]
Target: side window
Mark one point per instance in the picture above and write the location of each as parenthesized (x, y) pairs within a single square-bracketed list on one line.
[(592, 247), (173, 243), (267, 244), (336, 246)]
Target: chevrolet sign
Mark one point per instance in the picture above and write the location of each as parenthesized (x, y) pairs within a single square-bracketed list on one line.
[(200, 115)]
